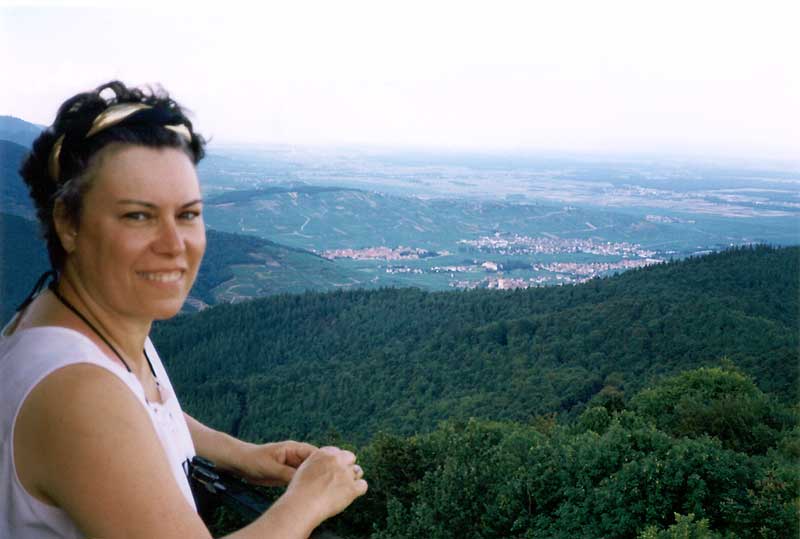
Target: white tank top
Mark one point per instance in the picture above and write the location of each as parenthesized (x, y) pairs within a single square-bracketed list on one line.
[(26, 358)]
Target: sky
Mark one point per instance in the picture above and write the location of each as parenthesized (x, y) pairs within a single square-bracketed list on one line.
[(700, 77)]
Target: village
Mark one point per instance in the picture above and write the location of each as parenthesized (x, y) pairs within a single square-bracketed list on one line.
[(515, 244), (497, 275), (381, 253)]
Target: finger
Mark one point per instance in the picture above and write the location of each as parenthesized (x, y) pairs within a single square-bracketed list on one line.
[(347, 457), (285, 474), (278, 476), (298, 452), (342, 455), (361, 487)]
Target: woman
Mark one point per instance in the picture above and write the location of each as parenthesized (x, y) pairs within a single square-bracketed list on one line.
[(94, 442)]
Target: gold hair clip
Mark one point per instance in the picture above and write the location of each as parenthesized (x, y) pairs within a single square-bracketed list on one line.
[(114, 115), (109, 118), (55, 155), (182, 130)]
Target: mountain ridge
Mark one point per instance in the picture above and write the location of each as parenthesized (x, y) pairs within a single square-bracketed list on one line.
[(18, 130)]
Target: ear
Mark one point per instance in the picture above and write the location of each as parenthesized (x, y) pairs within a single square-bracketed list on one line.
[(65, 228)]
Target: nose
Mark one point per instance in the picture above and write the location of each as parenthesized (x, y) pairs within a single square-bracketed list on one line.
[(170, 241)]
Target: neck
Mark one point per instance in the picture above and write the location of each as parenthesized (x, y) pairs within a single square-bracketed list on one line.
[(113, 332)]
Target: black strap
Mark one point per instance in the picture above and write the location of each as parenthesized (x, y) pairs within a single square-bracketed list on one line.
[(71, 307), (50, 274)]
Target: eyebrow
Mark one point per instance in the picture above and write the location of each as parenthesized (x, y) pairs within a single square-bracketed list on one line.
[(153, 206)]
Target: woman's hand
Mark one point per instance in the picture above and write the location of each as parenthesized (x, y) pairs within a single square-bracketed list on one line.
[(268, 464), (322, 482), (271, 464), (328, 481)]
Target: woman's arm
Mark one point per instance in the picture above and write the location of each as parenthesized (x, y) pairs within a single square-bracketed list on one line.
[(85, 444), (214, 445), (271, 464)]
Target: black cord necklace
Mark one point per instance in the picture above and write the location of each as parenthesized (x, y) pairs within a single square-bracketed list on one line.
[(54, 289)]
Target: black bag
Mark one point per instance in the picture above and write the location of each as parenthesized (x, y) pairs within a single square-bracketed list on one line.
[(212, 488)]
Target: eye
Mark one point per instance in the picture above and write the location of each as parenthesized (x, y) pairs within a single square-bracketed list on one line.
[(136, 216), (190, 215)]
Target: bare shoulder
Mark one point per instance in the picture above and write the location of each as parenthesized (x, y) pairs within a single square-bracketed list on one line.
[(84, 443)]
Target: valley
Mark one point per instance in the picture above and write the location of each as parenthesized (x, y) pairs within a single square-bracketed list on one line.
[(284, 219)]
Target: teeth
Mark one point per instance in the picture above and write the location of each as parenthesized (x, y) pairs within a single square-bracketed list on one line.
[(162, 277)]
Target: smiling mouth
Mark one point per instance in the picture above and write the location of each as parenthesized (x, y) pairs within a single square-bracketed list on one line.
[(161, 276)]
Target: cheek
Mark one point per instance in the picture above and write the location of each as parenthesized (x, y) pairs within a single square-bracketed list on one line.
[(96, 250), (197, 243)]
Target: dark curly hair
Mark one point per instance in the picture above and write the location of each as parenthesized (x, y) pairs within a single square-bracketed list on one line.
[(59, 163)]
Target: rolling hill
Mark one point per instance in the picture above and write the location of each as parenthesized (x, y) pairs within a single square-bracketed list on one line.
[(314, 217), (238, 267), (18, 130)]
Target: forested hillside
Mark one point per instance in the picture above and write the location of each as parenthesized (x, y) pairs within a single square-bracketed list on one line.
[(23, 258), (656, 404), (13, 192), (401, 360), (702, 455), (238, 266)]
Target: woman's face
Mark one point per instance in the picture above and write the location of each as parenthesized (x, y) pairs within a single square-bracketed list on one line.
[(141, 235)]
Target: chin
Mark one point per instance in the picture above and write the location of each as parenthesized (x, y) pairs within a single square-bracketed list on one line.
[(166, 310)]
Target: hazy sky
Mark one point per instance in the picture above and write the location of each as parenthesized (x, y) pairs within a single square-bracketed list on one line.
[(697, 77)]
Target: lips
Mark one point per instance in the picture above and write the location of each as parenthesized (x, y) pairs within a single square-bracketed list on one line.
[(161, 276)]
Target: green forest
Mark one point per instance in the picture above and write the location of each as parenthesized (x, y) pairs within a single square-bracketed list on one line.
[(659, 403)]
